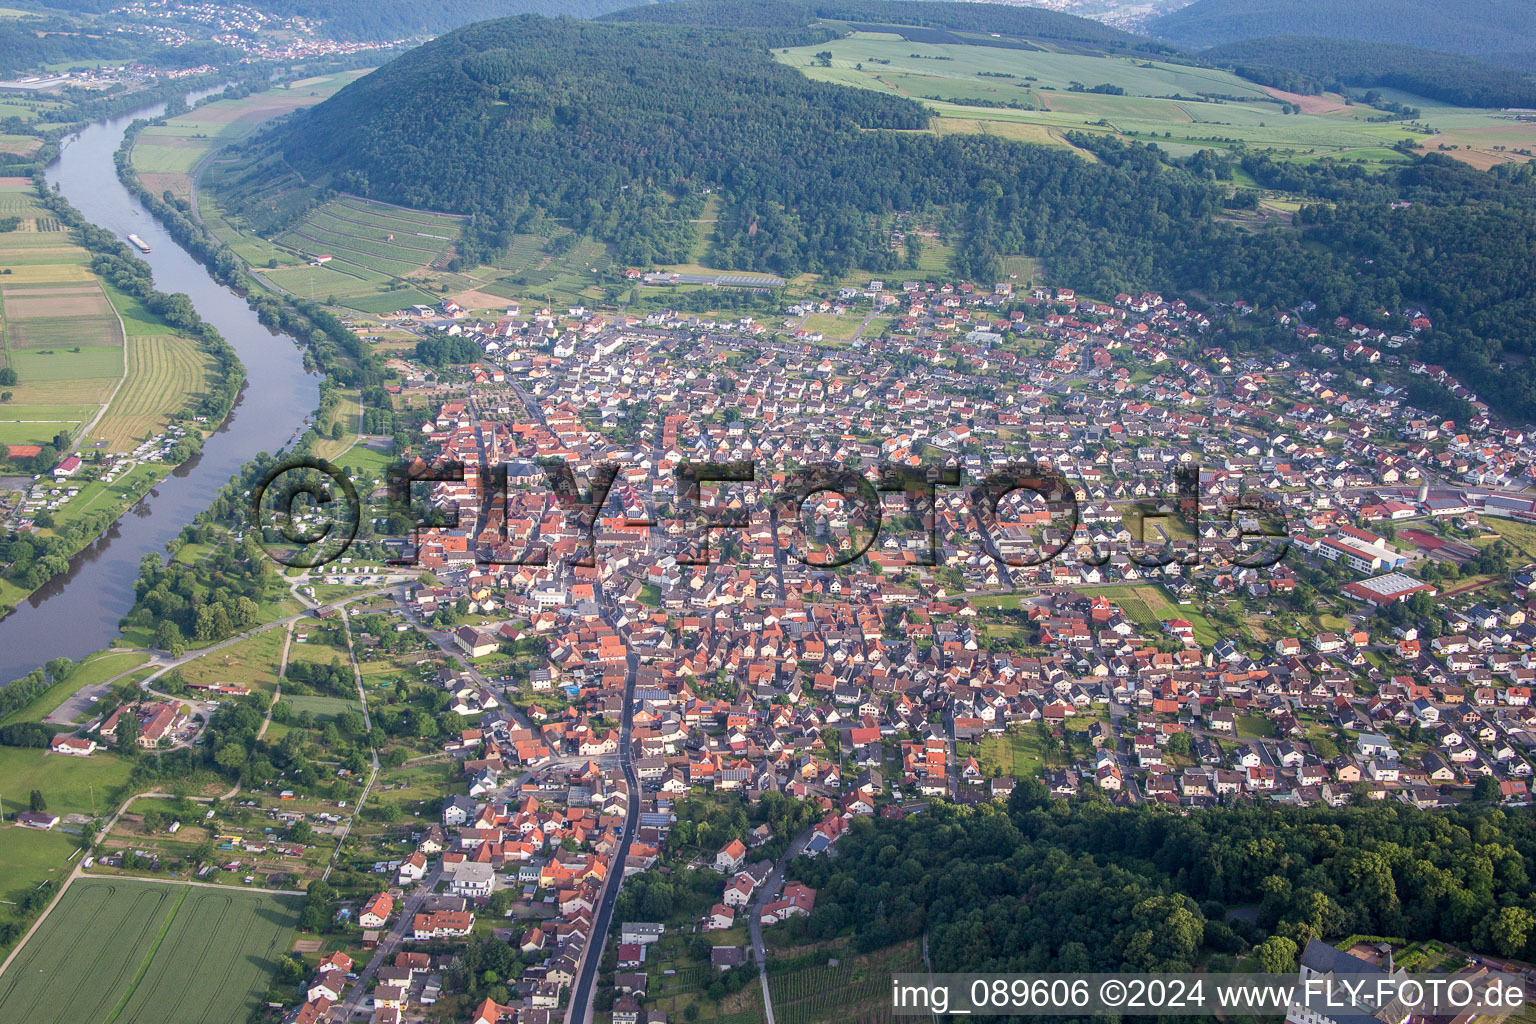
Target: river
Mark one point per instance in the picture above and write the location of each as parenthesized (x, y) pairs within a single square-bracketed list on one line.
[(78, 612)]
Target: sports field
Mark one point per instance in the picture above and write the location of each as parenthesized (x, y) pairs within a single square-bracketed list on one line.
[(70, 785), (120, 950), (1039, 95)]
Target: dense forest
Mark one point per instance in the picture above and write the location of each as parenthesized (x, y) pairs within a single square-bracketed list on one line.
[(1045, 885), (1309, 64), (1497, 31), (213, 600)]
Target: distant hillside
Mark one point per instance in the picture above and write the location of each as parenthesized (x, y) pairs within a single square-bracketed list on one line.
[(1309, 64), (1015, 22), (393, 19), (31, 43), (1498, 31), (619, 129)]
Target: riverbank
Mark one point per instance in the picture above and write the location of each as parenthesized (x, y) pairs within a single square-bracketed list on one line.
[(79, 611), (97, 423)]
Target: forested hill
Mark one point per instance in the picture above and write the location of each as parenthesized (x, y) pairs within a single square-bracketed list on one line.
[(1311, 64), (619, 127), (1497, 31), (983, 18)]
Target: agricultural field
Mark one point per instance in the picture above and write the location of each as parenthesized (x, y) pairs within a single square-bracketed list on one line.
[(167, 155), (347, 284), (165, 371), (19, 145), (1481, 138), (33, 110), (374, 236), (177, 954), (560, 266), (58, 328), (365, 272), (78, 345), (858, 988), (1038, 95)]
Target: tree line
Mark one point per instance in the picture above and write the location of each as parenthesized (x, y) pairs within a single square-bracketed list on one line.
[(1309, 64)]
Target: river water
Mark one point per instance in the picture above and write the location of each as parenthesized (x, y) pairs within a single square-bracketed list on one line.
[(78, 612)]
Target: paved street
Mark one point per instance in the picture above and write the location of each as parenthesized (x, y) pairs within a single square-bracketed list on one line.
[(357, 1000), (765, 892)]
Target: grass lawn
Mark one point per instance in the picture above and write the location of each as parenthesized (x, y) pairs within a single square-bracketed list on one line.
[(1006, 630), (833, 327), (348, 413), (999, 600), (164, 952), (66, 782), (1322, 744), (253, 662), (361, 457), (1518, 535), (419, 781), (1255, 727), (323, 708), (28, 858), (1016, 754)]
